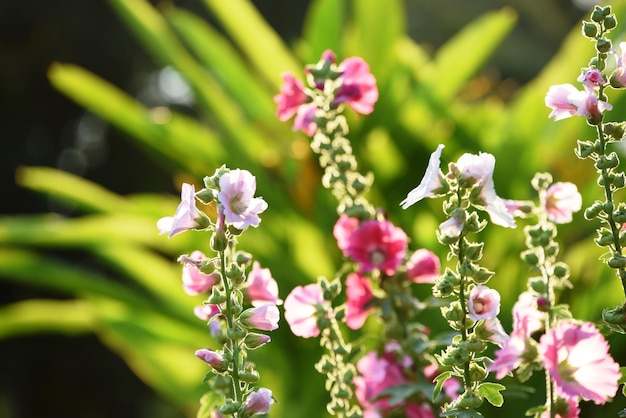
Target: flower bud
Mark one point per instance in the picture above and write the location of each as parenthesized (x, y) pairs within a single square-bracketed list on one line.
[(250, 376), (530, 257), (598, 14), (468, 400), (593, 211), (217, 296), (590, 29), (605, 237), (584, 149), (230, 407), (477, 373), (561, 270), (537, 284), (619, 180), (475, 345), (483, 275), (614, 130), (219, 241), (551, 250), (254, 340), (474, 251), (453, 312), (603, 45), (205, 196), (614, 315), (610, 22), (236, 333), (213, 359), (617, 262), (442, 288)]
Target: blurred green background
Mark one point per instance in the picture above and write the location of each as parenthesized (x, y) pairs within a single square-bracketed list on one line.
[(99, 130)]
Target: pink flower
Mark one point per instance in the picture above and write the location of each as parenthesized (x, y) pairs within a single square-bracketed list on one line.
[(495, 332), (196, 282), (185, 216), (377, 245), (452, 227), (509, 357), (264, 317), (421, 410), (259, 402), (213, 359), (566, 101), (561, 200), (618, 78), (483, 303), (290, 98), (430, 182), (206, 312), (480, 168), (591, 78), (305, 119), (343, 229), (262, 288), (236, 196), (423, 266), (526, 317), (564, 409), (301, 307), (376, 374), (359, 294), (577, 358), (358, 86)]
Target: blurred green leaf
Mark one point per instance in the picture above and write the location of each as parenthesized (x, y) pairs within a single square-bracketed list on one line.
[(323, 27)]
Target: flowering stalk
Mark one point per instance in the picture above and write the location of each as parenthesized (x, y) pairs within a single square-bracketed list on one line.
[(224, 276), (565, 101)]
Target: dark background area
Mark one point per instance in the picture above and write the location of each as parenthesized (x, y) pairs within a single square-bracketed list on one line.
[(51, 376)]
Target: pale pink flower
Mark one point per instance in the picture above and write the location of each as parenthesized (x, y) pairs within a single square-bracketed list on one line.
[(483, 303), (213, 359), (241, 209), (290, 98), (206, 312), (264, 317), (305, 119), (577, 358), (186, 214), (376, 374), (254, 340), (196, 282), (564, 409), (359, 293), (342, 230), (591, 78), (259, 402), (430, 182), (518, 208), (480, 168), (566, 101), (358, 86), (509, 357), (262, 289), (526, 317), (423, 266), (560, 201), (495, 332), (618, 78), (377, 245), (452, 227), (301, 307)]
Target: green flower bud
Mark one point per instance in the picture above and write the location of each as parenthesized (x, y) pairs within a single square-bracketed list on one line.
[(598, 14), (619, 180), (236, 333), (217, 296), (483, 275), (453, 312), (541, 181), (551, 250), (230, 407), (584, 149), (617, 262), (605, 237), (593, 211), (614, 315), (610, 22), (537, 284), (590, 29), (467, 268), (475, 345), (442, 288), (603, 45), (614, 130), (250, 376), (530, 257), (468, 400), (219, 241), (474, 251), (561, 270), (477, 373)]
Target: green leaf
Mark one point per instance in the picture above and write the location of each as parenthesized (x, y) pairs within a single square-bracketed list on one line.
[(439, 381), (491, 392), (323, 27), (463, 55)]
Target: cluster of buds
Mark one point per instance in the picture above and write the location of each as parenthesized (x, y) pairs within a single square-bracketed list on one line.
[(230, 289)]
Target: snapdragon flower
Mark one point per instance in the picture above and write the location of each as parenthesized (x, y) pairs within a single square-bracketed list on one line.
[(186, 216), (236, 196), (560, 201), (430, 182), (301, 306), (577, 358), (262, 288)]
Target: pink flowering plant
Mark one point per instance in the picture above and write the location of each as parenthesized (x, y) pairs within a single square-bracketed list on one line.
[(229, 285)]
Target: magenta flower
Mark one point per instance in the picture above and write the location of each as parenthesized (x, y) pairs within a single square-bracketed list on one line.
[(566, 101), (259, 402), (358, 86), (301, 307), (423, 267), (305, 119), (213, 359), (236, 196), (343, 229), (377, 245), (418, 410), (262, 288), (430, 182), (290, 98), (577, 358), (186, 214), (483, 303), (196, 282), (480, 168), (264, 317), (359, 293), (561, 200)]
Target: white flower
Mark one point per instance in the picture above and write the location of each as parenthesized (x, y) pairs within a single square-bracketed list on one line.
[(429, 183)]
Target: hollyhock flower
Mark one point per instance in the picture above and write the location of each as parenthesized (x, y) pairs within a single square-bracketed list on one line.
[(264, 317), (494, 331), (564, 409), (259, 402), (509, 357), (376, 374), (359, 293), (566, 101), (305, 119), (423, 266), (418, 410), (591, 78), (618, 78), (452, 227), (290, 98), (343, 229), (196, 282), (236, 196), (358, 86), (526, 317), (213, 359), (262, 288), (301, 307), (430, 182), (377, 245), (560, 201), (206, 312), (518, 208), (186, 214), (483, 303), (577, 358)]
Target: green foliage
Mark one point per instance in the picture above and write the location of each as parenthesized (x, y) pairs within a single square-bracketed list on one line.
[(138, 309)]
